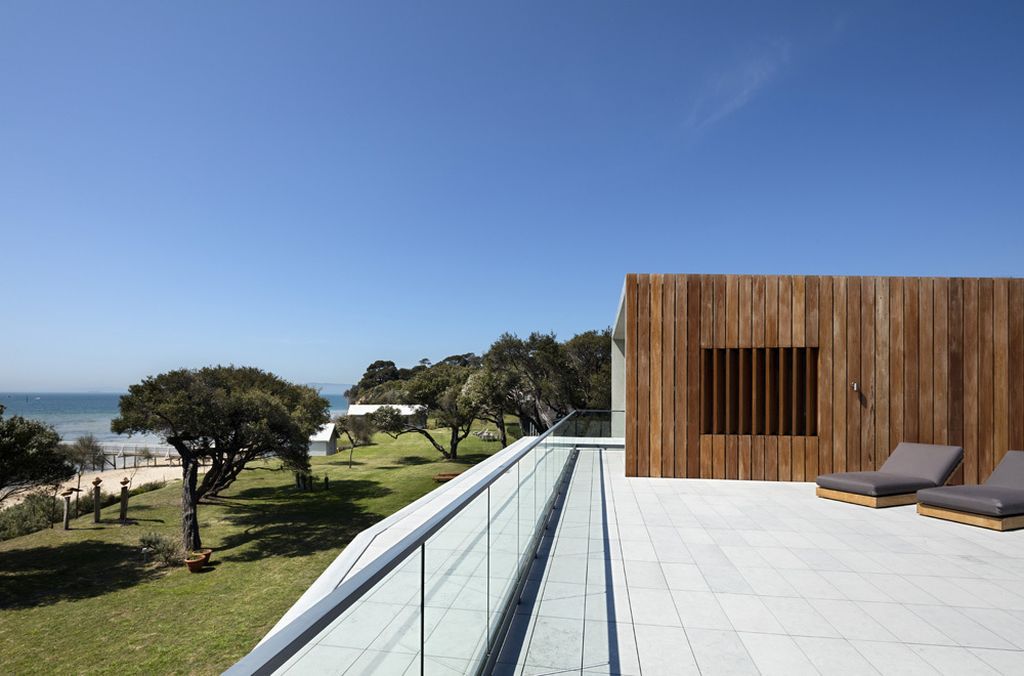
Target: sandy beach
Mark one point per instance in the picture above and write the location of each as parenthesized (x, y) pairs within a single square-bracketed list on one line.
[(112, 480), (112, 477)]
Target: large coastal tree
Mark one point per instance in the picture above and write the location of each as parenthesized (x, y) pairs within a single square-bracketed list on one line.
[(30, 456), (440, 389), (224, 415), (486, 390), (590, 361), (544, 379), (536, 370)]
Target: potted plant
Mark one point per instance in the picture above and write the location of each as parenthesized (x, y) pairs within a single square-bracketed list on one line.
[(195, 562), (205, 552)]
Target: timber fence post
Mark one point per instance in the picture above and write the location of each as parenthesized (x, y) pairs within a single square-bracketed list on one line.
[(96, 499)]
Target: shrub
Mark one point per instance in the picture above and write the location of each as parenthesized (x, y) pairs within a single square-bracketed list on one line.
[(165, 551), (36, 512), (40, 510)]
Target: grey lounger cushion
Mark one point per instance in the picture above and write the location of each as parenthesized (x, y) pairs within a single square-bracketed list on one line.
[(875, 484), (1001, 495), (911, 467)]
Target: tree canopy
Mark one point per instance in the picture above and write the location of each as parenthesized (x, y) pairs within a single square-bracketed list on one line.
[(228, 416), (84, 452), (30, 456), (539, 379), (383, 383), (546, 379)]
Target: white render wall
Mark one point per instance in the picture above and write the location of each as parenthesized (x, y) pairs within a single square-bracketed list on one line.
[(619, 370)]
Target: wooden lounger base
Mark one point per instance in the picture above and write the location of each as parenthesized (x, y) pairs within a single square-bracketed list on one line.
[(980, 520), (867, 500)]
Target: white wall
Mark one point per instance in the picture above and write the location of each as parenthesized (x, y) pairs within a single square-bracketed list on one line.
[(619, 368), (323, 447)]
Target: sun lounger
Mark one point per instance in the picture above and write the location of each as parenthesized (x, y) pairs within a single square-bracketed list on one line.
[(997, 504), (909, 468)]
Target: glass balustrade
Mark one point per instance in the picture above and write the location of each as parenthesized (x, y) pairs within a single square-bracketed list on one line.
[(438, 600)]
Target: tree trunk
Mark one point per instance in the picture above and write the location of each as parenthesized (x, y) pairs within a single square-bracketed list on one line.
[(189, 517), (502, 433), (454, 454)]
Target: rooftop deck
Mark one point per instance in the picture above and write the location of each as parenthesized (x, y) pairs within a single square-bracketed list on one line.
[(677, 576)]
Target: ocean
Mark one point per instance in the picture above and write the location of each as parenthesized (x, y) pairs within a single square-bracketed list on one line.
[(75, 415)]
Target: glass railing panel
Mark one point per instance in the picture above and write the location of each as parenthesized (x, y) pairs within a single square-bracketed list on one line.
[(379, 634), (618, 424), (503, 538), (545, 464), (456, 600), (527, 469), (592, 425)]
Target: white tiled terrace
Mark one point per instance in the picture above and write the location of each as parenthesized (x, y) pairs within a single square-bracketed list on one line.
[(674, 576)]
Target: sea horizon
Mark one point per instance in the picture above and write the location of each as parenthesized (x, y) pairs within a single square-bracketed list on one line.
[(75, 414)]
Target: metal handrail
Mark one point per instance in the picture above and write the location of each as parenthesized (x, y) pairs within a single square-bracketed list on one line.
[(279, 648)]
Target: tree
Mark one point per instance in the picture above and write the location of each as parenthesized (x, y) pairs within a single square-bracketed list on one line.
[(545, 380), (590, 358), (228, 416), (536, 370), (391, 392), (439, 388), (468, 359), (379, 372), (30, 456), (487, 391), (357, 428), (85, 452)]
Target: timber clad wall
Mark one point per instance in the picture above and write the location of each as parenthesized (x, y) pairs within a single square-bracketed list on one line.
[(936, 360)]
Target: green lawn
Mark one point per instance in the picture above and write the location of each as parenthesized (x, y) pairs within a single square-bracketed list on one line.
[(83, 601)]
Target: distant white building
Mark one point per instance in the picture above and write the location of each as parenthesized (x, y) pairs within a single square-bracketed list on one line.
[(417, 412), (325, 441)]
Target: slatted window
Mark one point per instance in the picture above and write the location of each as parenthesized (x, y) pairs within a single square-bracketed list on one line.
[(771, 391)]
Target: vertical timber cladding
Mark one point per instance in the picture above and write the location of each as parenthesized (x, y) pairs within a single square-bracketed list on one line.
[(936, 360)]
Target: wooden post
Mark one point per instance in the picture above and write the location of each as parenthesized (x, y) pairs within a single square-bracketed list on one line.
[(327, 482), (67, 508), (124, 500), (96, 499)]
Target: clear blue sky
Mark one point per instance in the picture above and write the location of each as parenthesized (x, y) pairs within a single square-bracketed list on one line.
[(308, 187)]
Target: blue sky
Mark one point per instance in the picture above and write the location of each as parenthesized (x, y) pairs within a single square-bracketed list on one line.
[(308, 187)]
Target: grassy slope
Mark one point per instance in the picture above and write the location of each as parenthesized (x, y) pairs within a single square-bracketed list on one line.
[(83, 601)]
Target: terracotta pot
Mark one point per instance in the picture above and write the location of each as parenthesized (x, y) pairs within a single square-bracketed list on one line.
[(195, 563), (205, 552)]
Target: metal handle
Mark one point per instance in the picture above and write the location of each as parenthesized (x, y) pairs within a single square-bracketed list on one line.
[(854, 386)]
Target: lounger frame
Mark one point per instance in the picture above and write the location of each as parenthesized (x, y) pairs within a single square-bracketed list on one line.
[(867, 500), (981, 520)]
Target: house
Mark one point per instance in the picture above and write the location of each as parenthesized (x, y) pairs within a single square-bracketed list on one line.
[(416, 413), (324, 441), (773, 379), (782, 378)]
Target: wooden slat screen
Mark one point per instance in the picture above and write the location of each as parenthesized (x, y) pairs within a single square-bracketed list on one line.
[(759, 390), (935, 360)]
